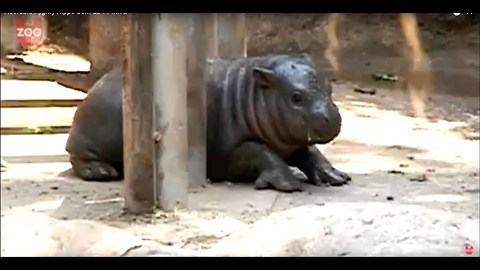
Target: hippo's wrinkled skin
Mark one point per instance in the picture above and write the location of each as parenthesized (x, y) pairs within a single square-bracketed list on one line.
[(264, 115)]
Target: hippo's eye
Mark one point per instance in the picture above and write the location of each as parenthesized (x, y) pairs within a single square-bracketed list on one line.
[(297, 98)]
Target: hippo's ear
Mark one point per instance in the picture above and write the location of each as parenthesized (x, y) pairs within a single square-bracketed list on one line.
[(307, 58), (264, 77), (305, 55)]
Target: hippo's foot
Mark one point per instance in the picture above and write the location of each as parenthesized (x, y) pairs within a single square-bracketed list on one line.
[(317, 168), (332, 176), (94, 170), (278, 180), (254, 160)]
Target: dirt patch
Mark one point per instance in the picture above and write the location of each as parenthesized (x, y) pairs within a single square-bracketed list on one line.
[(371, 43)]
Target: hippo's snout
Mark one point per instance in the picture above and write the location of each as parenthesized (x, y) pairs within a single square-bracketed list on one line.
[(326, 124)]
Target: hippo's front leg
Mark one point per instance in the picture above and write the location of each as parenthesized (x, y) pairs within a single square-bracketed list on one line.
[(317, 168), (254, 160)]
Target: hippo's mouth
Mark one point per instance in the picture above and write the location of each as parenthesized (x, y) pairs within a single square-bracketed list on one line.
[(320, 141), (319, 132), (322, 137)]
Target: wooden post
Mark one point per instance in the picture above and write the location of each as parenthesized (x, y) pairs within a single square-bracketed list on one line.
[(202, 43), (170, 96), (104, 41), (138, 113), (232, 35)]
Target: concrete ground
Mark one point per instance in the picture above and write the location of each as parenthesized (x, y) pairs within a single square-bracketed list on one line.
[(395, 160)]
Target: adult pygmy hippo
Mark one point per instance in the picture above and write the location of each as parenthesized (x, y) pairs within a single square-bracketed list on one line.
[(264, 115)]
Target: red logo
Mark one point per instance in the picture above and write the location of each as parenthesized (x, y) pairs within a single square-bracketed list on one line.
[(468, 249), (31, 30)]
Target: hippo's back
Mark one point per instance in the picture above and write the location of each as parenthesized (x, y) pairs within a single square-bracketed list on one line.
[(97, 127)]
